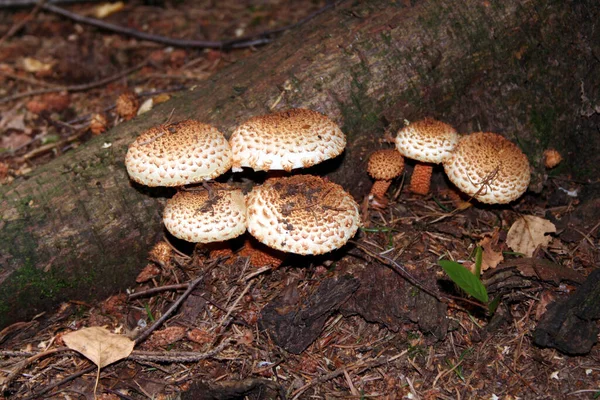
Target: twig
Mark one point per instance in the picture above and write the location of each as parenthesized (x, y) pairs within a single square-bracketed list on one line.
[(177, 356), (74, 88), (16, 27), (529, 385), (171, 310), (38, 394), (23, 364), (398, 268), (159, 289), (235, 303), (246, 41), (361, 365)]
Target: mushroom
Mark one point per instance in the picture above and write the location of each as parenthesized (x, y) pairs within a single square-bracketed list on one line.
[(383, 166), (426, 141), (286, 140), (551, 158), (301, 214), (201, 216), (489, 168), (178, 154)]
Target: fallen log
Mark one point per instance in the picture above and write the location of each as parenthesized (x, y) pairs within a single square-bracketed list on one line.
[(77, 228)]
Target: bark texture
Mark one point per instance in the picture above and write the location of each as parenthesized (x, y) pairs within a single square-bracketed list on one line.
[(77, 227)]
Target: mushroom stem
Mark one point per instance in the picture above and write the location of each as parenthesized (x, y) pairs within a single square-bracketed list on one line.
[(380, 188), (421, 179)]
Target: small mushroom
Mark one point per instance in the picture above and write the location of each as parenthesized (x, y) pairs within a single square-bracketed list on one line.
[(427, 141), (551, 158), (178, 154), (489, 168), (383, 166), (201, 216), (297, 138), (302, 214)]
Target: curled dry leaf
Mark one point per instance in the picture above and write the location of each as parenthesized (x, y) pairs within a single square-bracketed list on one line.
[(149, 272), (490, 258), (166, 336), (99, 345), (529, 232), (106, 9)]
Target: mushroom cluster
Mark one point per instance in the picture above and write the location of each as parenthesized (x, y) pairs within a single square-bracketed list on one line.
[(301, 214), (486, 166)]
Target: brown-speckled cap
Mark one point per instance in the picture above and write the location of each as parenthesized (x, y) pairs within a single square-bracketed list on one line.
[(488, 167), (385, 164), (427, 140), (302, 214), (203, 217), (178, 154), (297, 138)]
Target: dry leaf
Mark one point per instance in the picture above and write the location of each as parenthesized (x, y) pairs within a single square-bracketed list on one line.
[(529, 232), (104, 10), (167, 336), (33, 65), (490, 258), (99, 345), (149, 272)]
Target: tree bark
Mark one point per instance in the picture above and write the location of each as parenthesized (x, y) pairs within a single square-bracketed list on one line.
[(77, 227)]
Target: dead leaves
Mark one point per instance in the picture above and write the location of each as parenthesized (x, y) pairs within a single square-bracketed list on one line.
[(529, 232), (490, 257), (99, 345)]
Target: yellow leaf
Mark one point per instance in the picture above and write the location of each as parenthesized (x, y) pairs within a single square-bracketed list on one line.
[(106, 9), (99, 345), (33, 65), (529, 232)]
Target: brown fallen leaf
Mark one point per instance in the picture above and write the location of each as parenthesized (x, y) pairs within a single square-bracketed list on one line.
[(99, 345), (529, 232), (490, 258), (150, 271), (167, 336)]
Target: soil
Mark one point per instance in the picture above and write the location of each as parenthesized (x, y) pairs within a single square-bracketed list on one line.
[(376, 319)]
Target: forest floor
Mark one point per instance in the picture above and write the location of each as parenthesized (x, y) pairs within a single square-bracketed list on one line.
[(345, 325)]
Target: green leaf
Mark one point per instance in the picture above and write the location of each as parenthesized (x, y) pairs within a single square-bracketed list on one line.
[(465, 279)]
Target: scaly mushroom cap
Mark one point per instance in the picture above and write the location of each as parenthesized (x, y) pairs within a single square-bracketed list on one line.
[(427, 140), (302, 214), (488, 167), (297, 138), (203, 217), (385, 164), (178, 154)]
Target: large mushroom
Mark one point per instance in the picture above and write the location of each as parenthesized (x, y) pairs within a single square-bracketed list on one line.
[(489, 168), (302, 214), (427, 141), (200, 216), (297, 138), (178, 154)]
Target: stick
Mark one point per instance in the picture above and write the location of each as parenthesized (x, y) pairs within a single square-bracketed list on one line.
[(171, 310), (74, 88), (247, 41)]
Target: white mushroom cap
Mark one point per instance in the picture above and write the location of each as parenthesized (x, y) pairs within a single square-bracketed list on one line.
[(488, 167), (203, 217), (297, 138), (427, 140), (178, 154), (302, 214)]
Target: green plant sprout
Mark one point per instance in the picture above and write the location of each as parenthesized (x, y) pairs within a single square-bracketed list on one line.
[(469, 281)]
